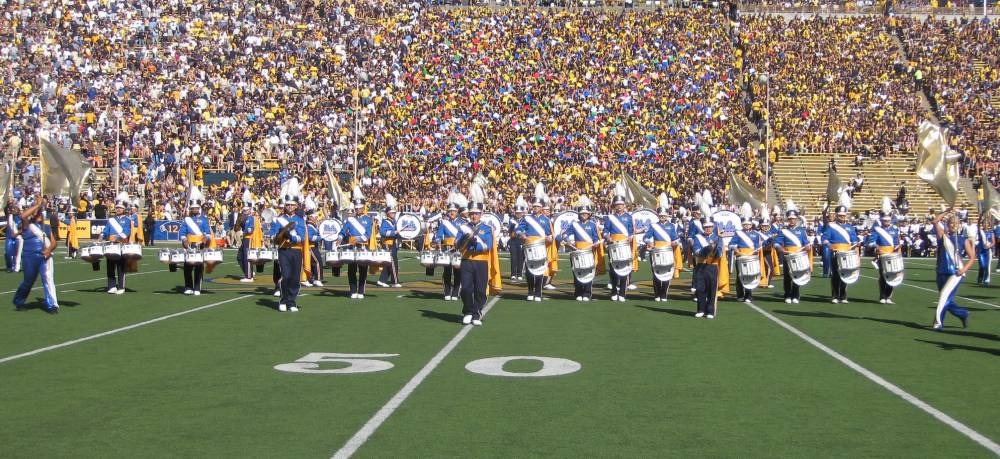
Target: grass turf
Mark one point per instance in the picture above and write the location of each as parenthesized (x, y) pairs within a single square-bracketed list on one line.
[(654, 380)]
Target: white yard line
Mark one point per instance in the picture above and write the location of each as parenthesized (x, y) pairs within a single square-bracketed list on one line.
[(935, 291), (380, 417), (91, 280), (119, 330), (909, 398)]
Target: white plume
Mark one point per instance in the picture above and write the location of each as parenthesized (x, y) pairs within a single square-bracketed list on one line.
[(845, 200), (583, 200), (293, 187), (481, 181), (697, 201), (886, 205), (390, 201), (521, 202), (476, 193), (620, 190), (790, 205), (777, 209), (682, 211), (460, 200), (310, 204), (356, 193), (746, 210), (663, 200), (706, 196), (705, 204), (247, 197), (540, 192)]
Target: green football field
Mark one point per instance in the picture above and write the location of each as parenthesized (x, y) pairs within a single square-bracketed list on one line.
[(154, 373)]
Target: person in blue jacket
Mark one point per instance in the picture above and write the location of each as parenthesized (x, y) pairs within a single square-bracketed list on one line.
[(36, 258)]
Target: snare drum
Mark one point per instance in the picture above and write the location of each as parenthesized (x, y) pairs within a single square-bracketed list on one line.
[(382, 258), (213, 256), (364, 257), (91, 254), (177, 257), (194, 257), (442, 259), (266, 255), (456, 260), (347, 256), (582, 260), (662, 258), (164, 256), (535, 252), (333, 258), (253, 255), (620, 252)]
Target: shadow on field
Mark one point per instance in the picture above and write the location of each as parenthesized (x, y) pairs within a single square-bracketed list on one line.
[(676, 312), (445, 316), (913, 325), (268, 303), (952, 347)]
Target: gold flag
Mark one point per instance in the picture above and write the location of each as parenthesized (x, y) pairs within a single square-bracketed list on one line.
[(740, 191), (337, 195), (991, 198), (635, 193), (63, 170), (936, 163)]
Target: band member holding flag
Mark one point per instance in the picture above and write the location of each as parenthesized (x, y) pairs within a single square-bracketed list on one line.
[(253, 236), (288, 232), (582, 235), (617, 228), (117, 231), (534, 228), (746, 242), (315, 276), (840, 236), (389, 237), (707, 250), (357, 232), (195, 234), (37, 247), (72, 240), (662, 235), (791, 239), (952, 247), (885, 238)]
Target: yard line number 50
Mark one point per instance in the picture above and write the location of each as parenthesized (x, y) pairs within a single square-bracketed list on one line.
[(323, 363)]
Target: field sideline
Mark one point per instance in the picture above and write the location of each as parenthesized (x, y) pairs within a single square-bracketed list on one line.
[(154, 373)]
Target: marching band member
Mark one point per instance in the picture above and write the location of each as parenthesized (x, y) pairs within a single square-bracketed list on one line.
[(445, 239), (137, 236), (195, 234), (72, 240), (357, 232), (952, 247), (694, 228), (37, 247), (618, 227), (480, 268), (12, 254), (984, 250), (390, 240), (707, 250), (253, 237), (840, 236), (885, 238), (790, 240), (516, 244), (582, 235), (533, 228), (288, 232), (661, 235), (552, 250), (315, 277), (827, 253), (746, 242), (768, 268), (117, 231)]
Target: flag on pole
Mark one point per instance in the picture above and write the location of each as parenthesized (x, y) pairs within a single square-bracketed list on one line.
[(337, 195), (834, 186), (635, 193), (991, 198), (63, 170), (936, 163), (740, 192)]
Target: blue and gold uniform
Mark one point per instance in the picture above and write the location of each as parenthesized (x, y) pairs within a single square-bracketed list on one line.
[(617, 228), (37, 239), (583, 235), (252, 239), (707, 251), (885, 239), (288, 269), (746, 242), (357, 232), (791, 239), (13, 244), (447, 233), (984, 253), (533, 229), (195, 234), (480, 266), (662, 235), (952, 247), (839, 236), (389, 237), (118, 230), (516, 245)]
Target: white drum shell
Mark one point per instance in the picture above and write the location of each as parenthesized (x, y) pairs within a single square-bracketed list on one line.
[(213, 256), (662, 260), (849, 266), (798, 264), (536, 258), (113, 251), (584, 264), (892, 268), (177, 257), (749, 271), (442, 259), (427, 259), (194, 257), (456, 260), (164, 256), (132, 251)]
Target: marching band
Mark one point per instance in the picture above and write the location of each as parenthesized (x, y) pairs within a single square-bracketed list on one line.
[(301, 244)]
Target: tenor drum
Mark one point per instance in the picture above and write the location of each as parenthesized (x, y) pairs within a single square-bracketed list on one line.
[(164, 256), (584, 264), (92, 253), (382, 258), (177, 257), (749, 269), (662, 260), (132, 251), (213, 256), (536, 258), (892, 268), (333, 258), (456, 260), (442, 259), (849, 266), (194, 257), (427, 258), (113, 251), (347, 256), (364, 257), (798, 265), (253, 255)]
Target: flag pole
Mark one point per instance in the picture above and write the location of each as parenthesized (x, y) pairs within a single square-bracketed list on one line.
[(118, 153)]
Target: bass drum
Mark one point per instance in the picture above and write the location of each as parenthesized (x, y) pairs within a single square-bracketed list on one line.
[(329, 229), (642, 219), (493, 222), (408, 226), (563, 221), (536, 258)]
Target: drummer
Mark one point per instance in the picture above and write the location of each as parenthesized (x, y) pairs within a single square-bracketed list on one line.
[(746, 243), (312, 229), (195, 234), (389, 237), (885, 238), (534, 228), (661, 235), (618, 228), (707, 250), (771, 265), (840, 236), (117, 231), (291, 246), (357, 233), (791, 239), (445, 237), (252, 238), (516, 245), (583, 235)]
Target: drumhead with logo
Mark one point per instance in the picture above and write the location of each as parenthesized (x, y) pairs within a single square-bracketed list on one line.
[(563, 221), (642, 219), (329, 230), (408, 226), (491, 219)]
